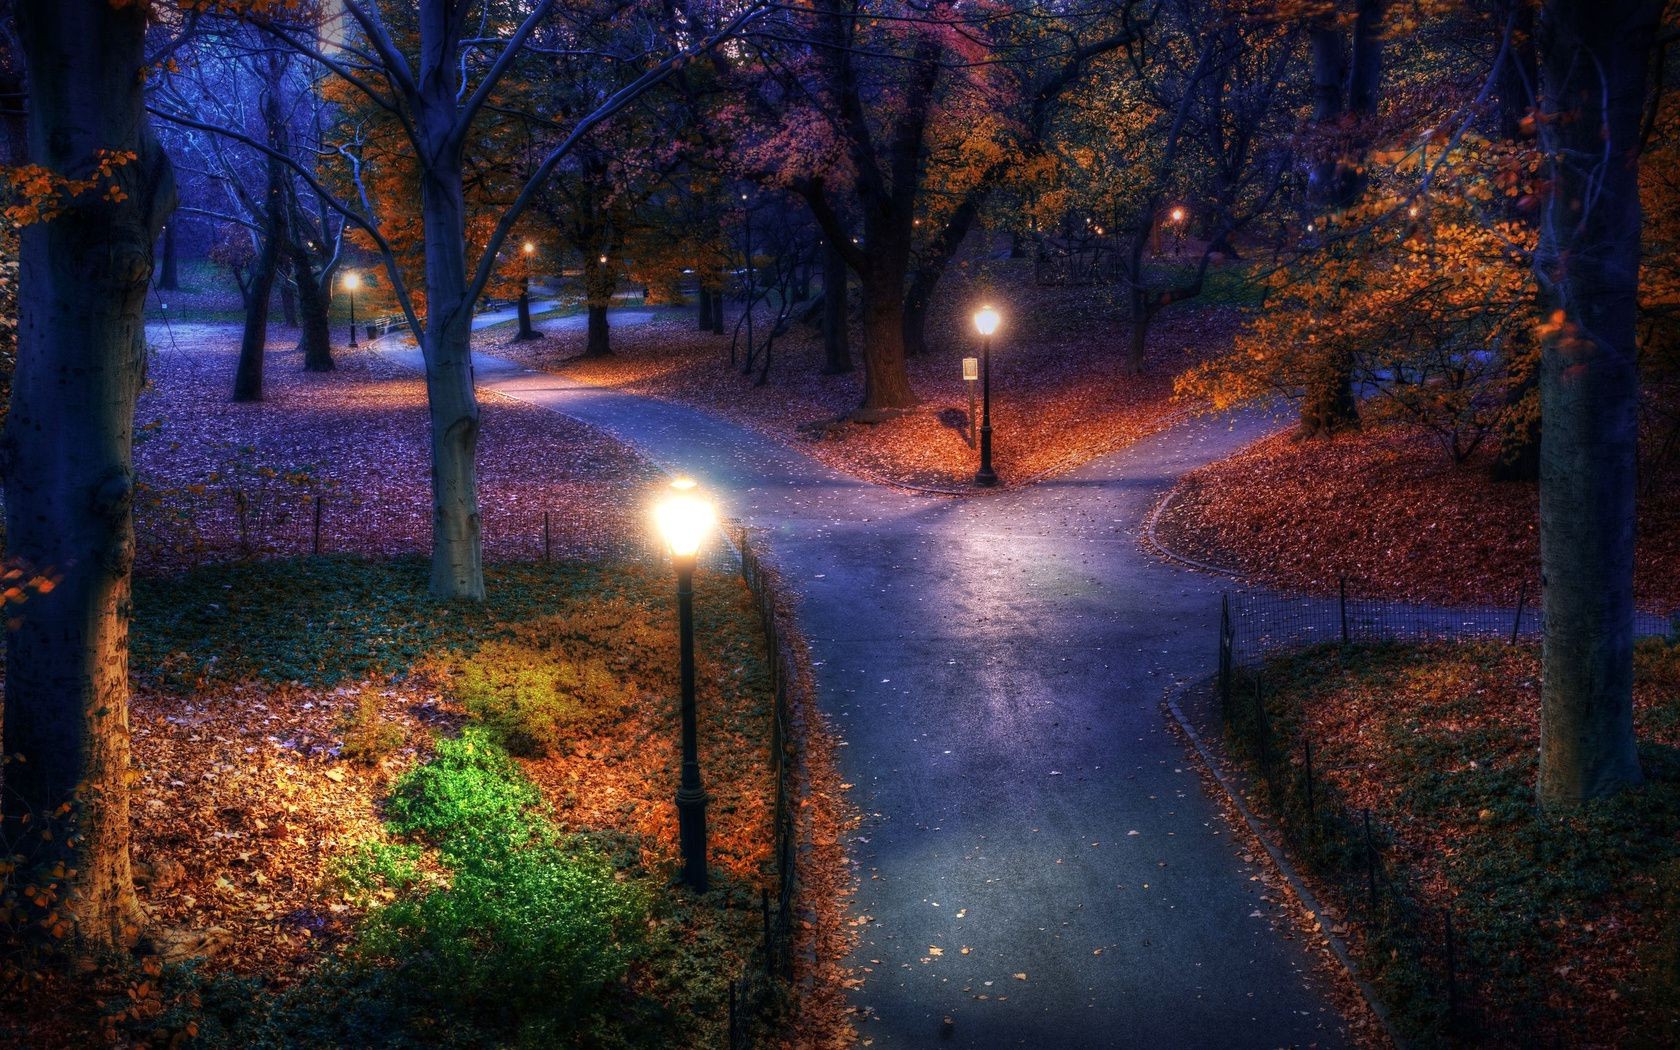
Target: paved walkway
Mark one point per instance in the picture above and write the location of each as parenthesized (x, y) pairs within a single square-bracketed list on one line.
[(995, 667)]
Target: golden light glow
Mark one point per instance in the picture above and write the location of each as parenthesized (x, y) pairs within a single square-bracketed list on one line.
[(603, 260), (352, 280), (986, 320), (1178, 215), (684, 518), (530, 248)]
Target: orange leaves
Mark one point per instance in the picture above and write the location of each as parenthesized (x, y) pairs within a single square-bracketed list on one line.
[(40, 194)]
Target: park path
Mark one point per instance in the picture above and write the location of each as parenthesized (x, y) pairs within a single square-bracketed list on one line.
[(1032, 832)]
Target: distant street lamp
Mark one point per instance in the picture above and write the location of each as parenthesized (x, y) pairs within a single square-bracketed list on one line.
[(684, 519), (986, 321), (352, 281)]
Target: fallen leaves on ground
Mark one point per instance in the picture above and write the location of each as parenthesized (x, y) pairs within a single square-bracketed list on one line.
[(1060, 393), (1387, 510)]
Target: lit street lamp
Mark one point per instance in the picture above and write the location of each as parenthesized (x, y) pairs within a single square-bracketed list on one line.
[(986, 321), (352, 281), (684, 519)]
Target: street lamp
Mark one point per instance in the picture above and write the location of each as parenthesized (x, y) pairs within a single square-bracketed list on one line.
[(352, 281), (684, 519), (986, 321)]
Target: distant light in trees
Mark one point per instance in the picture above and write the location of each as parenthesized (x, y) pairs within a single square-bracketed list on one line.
[(1412, 211), (352, 281), (530, 249), (603, 260), (1177, 216)]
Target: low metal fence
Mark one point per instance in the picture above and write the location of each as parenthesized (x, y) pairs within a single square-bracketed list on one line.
[(1348, 848)]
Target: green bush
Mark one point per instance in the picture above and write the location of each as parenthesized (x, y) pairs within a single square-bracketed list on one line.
[(524, 695), (470, 801), (368, 736)]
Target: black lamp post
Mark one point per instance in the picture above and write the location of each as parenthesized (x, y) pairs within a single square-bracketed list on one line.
[(351, 283), (986, 322), (684, 519)]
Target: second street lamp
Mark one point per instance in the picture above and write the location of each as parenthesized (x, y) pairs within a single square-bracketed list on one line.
[(986, 321), (684, 520), (352, 281)]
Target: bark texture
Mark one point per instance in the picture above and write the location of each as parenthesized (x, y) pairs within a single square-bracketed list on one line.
[(1594, 69), (68, 451), (837, 351), (314, 303)]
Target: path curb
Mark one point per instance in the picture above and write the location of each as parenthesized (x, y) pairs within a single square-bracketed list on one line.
[(1303, 896), (1153, 541)]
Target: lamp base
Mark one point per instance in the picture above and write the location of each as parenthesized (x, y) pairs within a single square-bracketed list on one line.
[(691, 835), (985, 478)]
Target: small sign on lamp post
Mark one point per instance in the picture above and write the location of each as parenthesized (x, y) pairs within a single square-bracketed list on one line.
[(971, 375)]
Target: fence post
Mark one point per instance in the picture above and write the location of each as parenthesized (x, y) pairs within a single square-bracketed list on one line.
[(242, 505), (1260, 725), (1522, 599), (1370, 860), (1342, 581), (547, 539), (320, 502)]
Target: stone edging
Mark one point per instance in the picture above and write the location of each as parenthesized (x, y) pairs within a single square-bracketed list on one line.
[(1153, 541), (1304, 896)]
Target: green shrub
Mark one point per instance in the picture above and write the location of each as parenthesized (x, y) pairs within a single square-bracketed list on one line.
[(533, 938), (376, 871), (524, 695), (470, 801)]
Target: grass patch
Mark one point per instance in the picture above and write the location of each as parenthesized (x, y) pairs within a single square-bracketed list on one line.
[(519, 890), (1563, 923)]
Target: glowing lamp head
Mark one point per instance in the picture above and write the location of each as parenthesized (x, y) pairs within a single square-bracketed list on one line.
[(603, 260), (530, 249), (986, 320), (352, 281), (1412, 211), (684, 518), (1178, 215)]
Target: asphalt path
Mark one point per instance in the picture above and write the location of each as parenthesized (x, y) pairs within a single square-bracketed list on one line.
[(1038, 862)]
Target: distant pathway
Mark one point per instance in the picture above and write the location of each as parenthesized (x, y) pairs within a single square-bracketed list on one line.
[(995, 667)]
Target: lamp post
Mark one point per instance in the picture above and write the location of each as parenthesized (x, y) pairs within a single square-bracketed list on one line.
[(971, 376), (684, 519), (352, 281), (986, 321)]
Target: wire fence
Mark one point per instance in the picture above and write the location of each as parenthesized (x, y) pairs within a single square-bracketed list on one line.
[(255, 523), (756, 993), (1260, 623), (1343, 845)]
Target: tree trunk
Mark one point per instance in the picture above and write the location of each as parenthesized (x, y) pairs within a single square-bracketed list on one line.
[(837, 351), (705, 310), (886, 382), (526, 331), (288, 302), (253, 341), (597, 345), (171, 279), (717, 313), (1137, 341), (1593, 84), (1329, 407), (315, 339), (599, 283), (69, 479)]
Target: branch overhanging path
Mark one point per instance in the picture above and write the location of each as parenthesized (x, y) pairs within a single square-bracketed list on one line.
[(996, 668)]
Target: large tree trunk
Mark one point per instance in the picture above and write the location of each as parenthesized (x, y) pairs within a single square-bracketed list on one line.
[(171, 279), (705, 309), (68, 452), (1593, 77), (452, 402), (253, 340), (837, 352), (717, 313), (314, 304), (288, 302), (886, 381)]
